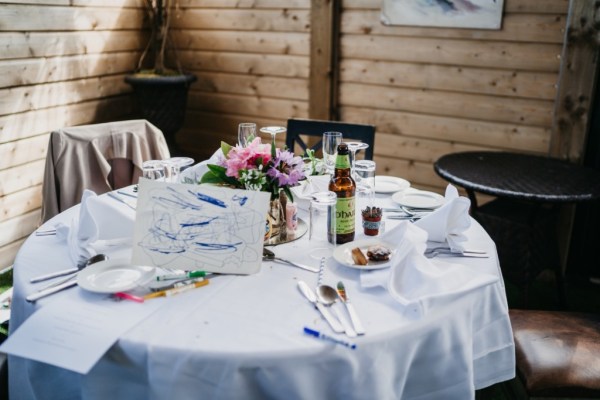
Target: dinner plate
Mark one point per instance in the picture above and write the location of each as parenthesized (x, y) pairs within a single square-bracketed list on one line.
[(390, 184), (418, 199), (343, 254), (112, 276)]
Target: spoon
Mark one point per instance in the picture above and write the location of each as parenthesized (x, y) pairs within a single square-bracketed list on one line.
[(312, 298), (70, 271), (268, 255), (329, 296)]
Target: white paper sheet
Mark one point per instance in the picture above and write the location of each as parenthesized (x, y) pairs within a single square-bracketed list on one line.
[(74, 333), (205, 227)]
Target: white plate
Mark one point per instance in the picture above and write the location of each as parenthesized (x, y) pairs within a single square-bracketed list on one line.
[(390, 184), (343, 254), (418, 199), (112, 276)]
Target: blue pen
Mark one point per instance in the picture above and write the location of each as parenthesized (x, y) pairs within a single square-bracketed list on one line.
[(323, 336)]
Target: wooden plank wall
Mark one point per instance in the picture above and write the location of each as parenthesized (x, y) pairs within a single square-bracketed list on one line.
[(252, 62), (435, 91), (62, 63), (429, 91)]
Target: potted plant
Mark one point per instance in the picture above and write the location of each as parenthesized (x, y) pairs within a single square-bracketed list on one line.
[(160, 92)]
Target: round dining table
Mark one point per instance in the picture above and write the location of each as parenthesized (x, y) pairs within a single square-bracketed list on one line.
[(242, 337)]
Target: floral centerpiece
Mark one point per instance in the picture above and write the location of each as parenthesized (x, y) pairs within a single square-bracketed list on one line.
[(261, 167)]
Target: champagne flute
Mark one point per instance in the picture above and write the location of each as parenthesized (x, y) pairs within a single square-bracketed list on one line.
[(354, 147), (273, 131), (246, 133), (331, 140)]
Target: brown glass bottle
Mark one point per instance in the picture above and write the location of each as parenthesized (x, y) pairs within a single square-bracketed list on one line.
[(344, 187)]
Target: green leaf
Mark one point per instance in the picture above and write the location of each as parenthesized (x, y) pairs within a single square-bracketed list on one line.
[(225, 147), (288, 193)]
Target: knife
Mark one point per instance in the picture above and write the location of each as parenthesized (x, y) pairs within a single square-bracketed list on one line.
[(43, 293), (312, 297), (358, 327)]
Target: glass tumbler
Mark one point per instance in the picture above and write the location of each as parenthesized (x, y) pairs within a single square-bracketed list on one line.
[(321, 224), (155, 170), (365, 183), (246, 133)]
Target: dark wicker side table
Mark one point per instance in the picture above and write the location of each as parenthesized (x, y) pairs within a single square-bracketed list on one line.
[(522, 219)]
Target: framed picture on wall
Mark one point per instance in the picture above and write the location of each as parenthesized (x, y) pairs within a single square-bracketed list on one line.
[(476, 14)]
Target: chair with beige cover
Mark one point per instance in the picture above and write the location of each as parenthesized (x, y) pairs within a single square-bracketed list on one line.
[(100, 157)]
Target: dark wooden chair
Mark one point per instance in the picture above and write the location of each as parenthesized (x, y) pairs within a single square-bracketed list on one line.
[(296, 128), (557, 354)]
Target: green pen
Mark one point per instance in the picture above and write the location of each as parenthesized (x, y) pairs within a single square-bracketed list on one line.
[(190, 274)]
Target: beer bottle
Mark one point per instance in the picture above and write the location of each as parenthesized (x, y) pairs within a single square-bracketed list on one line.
[(344, 187)]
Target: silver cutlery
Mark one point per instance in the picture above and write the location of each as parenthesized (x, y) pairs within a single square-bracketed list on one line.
[(358, 326), (270, 256), (94, 259), (43, 293), (328, 296), (310, 296), (449, 250), (120, 199), (433, 254)]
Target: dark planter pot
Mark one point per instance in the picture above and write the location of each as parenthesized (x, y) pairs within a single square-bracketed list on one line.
[(162, 101)]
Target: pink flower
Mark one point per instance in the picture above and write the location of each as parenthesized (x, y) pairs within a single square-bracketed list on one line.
[(250, 157)]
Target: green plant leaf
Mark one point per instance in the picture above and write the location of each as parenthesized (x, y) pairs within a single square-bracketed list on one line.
[(225, 147)]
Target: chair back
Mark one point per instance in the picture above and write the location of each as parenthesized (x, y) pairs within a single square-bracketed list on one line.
[(315, 128), (99, 157)]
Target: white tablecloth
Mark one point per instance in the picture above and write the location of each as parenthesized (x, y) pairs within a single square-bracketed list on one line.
[(241, 338)]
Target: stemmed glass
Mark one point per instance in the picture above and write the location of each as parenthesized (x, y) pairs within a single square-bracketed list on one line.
[(273, 131), (354, 147), (331, 140), (246, 133)]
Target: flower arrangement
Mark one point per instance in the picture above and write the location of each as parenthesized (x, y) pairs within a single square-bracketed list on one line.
[(258, 166)]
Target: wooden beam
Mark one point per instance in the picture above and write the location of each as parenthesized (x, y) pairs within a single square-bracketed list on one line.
[(577, 81), (324, 36)]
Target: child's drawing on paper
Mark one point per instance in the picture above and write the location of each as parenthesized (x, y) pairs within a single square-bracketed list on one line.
[(199, 227)]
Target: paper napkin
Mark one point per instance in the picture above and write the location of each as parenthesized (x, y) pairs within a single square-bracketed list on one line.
[(449, 222), (102, 223), (313, 183), (195, 172), (413, 279)]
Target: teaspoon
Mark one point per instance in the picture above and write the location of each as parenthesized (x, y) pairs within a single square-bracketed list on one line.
[(329, 296)]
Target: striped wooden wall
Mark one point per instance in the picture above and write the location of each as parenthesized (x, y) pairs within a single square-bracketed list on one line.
[(429, 91), (62, 63)]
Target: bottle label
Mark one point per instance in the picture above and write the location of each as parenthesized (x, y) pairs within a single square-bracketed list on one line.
[(342, 162), (344, 215)]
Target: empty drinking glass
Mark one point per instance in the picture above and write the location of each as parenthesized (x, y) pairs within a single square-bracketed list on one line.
[(321, 224), (365, 182), (273, 131), (155, 170), (331, 140), (246, 133), (176, 165)]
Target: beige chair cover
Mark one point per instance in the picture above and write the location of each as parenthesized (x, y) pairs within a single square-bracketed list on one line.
[(100, 157)]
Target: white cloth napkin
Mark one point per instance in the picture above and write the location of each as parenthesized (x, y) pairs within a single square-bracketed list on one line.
[(412, 278), (313, 183), (194, 173), (449, 222), (102, 223)]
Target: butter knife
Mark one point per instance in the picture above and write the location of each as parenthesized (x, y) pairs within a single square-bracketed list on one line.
[(312, 297), (358, 327), (43, 293)]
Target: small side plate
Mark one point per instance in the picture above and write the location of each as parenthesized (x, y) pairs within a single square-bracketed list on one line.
[(414, 198), (343, 254), (112, 276), (390, 184)]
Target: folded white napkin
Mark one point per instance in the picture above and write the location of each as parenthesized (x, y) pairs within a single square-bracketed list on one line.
[(102, 223), (412, 278), (313, 183), (449, 222), (194, 173)]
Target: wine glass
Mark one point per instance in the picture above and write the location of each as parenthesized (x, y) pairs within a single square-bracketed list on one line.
[(246, 133), (354, 147), (273, 131), (331, 140)]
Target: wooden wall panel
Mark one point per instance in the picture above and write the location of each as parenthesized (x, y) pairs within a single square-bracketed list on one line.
[(433, 91), (62, 64)]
